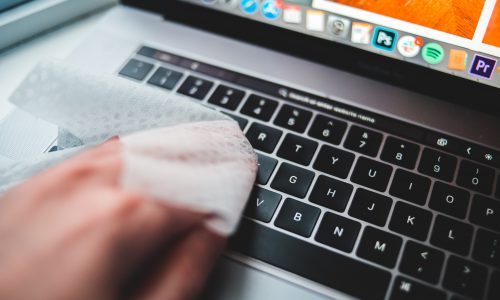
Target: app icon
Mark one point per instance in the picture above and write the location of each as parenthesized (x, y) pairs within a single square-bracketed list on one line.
[(249, 6), (292, 14), (338, 26), (409, 46), (361, 33), (458, 60), (482, 66), (433, 53), (315, 20), (270, 10), (229, 3), (384, 38)]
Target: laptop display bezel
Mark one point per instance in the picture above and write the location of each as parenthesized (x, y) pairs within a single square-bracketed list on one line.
[(410, 76)]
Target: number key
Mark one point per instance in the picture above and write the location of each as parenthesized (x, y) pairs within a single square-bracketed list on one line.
[(293, 118), (259, 107), (363, 141), (136, 69), (328, 129), (400, 152), (195, 87), (437, 164), (165, 78), (227, 97), (476, 177)]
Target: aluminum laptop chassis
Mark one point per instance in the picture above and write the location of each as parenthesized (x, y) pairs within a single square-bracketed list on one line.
[(120, 33)]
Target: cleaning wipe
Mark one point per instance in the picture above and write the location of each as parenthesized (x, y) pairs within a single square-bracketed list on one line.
[(175, 149)]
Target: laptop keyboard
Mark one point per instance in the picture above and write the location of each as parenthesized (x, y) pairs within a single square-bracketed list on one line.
[(375, 209)]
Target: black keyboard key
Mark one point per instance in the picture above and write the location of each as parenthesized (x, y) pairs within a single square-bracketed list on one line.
[(410, 187), (263, 137), (331, 193), (165, 78), (476, 177), (297, 217), (293, 118), (485, 212), (259, 107), (497, 193), (370, 207), (315, 263), (422, 262), (465, 277), (334, 161), (372, 174), (227, 97), (437, 164), (449, 200), (487, 248), (379, 247), (297, 149), (452, 235), (242, 122), (494, 289), (406, 289), (399, 152), (411, 221), (266, 168), (363, 141), (195, 87), (262, 204), (292, 180), (328, 129), (338, 232), (136, 69)]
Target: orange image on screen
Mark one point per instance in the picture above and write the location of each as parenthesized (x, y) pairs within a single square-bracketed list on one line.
[(492, 36), (457, 17)]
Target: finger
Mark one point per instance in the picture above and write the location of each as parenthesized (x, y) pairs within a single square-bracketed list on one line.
[(144, 227), (183, 272)]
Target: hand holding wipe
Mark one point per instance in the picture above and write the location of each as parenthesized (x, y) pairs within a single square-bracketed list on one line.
[(141, 216)]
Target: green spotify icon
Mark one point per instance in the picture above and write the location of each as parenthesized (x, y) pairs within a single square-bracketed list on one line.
[(433, 53)]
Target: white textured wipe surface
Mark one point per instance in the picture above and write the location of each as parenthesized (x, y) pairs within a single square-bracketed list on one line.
[(206, 166), (175, 149)]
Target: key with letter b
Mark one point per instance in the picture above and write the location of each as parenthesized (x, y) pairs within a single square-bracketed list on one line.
[(297, 217)]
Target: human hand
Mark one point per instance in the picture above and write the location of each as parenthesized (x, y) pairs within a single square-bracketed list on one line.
[(72, 232)]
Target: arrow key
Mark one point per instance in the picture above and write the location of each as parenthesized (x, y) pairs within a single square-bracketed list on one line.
[(262, 204), (422, 262)]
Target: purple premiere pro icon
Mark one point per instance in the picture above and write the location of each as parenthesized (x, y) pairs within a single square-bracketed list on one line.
[(482, 66)]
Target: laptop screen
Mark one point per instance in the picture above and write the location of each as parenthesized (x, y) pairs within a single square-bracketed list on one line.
[(460, 38)]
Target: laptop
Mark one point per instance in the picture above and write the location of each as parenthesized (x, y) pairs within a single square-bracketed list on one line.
[(376, 127)]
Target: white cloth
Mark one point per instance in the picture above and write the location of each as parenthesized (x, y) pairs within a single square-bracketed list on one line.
[(175, 149)]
